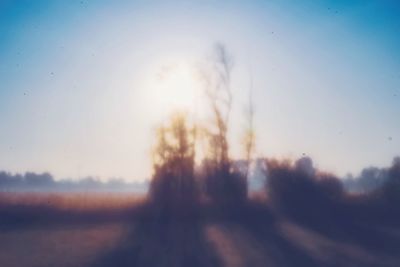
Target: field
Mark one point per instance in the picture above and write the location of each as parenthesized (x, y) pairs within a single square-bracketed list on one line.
[(120, 230)]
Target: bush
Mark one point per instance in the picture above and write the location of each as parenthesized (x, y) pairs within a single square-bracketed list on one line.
[(299, 191)]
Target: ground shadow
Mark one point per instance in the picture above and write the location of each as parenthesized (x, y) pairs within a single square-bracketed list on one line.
[(163, 241)]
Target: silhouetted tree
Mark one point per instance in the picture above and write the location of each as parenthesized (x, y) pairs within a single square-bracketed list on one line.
[(300, 191), (173, 184), (217, 79), (223, 183), (391, 187)]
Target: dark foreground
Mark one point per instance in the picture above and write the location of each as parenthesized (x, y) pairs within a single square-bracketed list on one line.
[(134, 233)]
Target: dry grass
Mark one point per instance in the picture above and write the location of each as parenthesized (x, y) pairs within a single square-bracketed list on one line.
[(72, 201), (58, 246), (59, 229)]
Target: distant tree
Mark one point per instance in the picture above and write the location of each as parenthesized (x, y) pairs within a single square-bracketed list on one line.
[(38, 180), (249, 132), (391, 187), (371, 178), (9, 181)]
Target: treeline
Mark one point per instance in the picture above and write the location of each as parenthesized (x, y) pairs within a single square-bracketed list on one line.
[(181, 178), (37, 182), (370, 179)]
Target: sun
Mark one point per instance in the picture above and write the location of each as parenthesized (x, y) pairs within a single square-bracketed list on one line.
[(173, 86)]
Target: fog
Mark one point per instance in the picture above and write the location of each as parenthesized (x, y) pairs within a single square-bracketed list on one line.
[(45, 182)]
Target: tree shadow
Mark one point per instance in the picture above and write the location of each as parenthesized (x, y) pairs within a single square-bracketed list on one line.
[(163, 241), (265, 232)]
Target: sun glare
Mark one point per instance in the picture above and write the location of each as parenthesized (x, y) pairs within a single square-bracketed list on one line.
[(172, 87)]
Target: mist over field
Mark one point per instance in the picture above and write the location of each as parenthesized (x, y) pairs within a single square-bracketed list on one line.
[(45, 182), (369, 179)]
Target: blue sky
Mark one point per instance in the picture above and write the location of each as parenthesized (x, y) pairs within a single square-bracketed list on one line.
[(78, 80)]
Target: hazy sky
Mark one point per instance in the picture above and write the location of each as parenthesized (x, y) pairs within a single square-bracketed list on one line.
[(83, 84)]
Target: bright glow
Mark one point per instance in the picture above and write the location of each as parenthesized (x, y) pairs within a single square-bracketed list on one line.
[(171, 87), (90, 82)]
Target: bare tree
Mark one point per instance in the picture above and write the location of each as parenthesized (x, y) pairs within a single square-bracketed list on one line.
[(249, 133), (219, 94), (222, 182)]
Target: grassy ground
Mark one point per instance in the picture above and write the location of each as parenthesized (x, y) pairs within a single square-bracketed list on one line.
[(111, 230), (77, 245)]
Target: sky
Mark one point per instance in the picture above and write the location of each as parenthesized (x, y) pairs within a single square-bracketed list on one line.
[(84, 84)]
